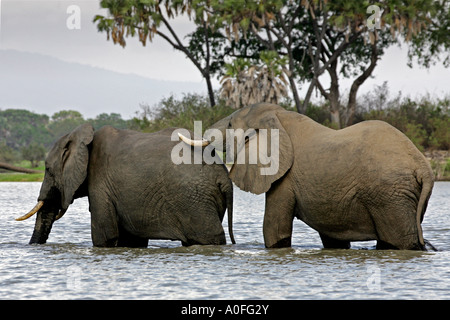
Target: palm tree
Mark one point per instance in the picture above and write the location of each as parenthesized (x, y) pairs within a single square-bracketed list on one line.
[(245, 84)]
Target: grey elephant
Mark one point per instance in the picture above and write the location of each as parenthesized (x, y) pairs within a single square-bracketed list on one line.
[(135, 191), (364, 182)]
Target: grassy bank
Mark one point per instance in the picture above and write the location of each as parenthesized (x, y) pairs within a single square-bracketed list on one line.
[(8, 176), (439, 161), (21, 177)]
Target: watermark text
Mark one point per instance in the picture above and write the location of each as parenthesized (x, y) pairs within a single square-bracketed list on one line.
[(252, 146)]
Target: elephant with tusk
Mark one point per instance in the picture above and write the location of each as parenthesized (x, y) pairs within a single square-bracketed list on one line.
[(364, 182), (135, 191)]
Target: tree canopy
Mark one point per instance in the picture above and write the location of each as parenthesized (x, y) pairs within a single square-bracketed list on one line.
[(312, 38), (149, 18), (342, 38), (27, 135)]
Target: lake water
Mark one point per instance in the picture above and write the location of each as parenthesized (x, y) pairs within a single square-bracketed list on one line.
[(69, 267)]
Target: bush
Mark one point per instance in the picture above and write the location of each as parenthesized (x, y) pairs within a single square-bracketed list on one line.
[(7, 154), (426, 121), (33, 153), (416, 134), (172, 112), (440, 136)]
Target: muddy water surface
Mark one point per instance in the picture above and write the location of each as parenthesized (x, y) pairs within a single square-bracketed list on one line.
[(68, 267)]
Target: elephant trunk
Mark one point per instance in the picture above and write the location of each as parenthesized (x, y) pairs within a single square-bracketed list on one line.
[(47, 213), (42, 227)]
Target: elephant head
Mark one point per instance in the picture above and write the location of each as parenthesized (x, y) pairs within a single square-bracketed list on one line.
[(65, 173), (261, 148)]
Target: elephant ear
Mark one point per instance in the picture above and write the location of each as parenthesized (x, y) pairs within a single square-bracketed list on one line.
[(274, 154), (75, 158)]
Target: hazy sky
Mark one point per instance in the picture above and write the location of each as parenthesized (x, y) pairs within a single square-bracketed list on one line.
[(44, 27)]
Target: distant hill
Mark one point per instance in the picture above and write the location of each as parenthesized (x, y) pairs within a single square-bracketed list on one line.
[(44, 84)]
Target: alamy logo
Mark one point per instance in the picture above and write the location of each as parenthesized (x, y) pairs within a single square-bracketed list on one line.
[(252, 146), (374, 21), (73, 22), (373, 282)]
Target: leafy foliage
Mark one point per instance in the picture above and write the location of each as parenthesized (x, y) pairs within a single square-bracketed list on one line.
[(310, 37), (425, 121), (432, 43), (33, 153), (173, 112), (149, 18), (27, 135), (245, 84), (21, 127)]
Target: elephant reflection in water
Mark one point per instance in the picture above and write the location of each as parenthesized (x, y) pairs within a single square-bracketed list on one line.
[(135, 191)]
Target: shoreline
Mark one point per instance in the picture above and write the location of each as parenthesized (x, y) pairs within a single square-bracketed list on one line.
[(440, 164), (439, 161)]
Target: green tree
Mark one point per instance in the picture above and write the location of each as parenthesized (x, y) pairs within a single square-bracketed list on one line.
[(112, 119), (7, 154), (326, 37), (33, 153), (246, 84), (174, 112), (149, 18), (425, 120), (21, 127), (432, 43), (64, 121)]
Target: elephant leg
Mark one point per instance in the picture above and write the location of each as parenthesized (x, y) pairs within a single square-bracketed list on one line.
[(382, 245), (104, 224), (330, 243), (396, 227), (279, 215), (211, 233), (127, 239), (409, 242)]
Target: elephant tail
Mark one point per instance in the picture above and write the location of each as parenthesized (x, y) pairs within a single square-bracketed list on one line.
[(229, 197), (426, 181)]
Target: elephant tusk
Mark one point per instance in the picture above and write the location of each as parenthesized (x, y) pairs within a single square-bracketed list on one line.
[(32, 212), (60, 214), (194, 143)]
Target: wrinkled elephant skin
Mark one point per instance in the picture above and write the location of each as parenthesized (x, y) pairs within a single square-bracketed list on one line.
[(364, 182), (135, 191)]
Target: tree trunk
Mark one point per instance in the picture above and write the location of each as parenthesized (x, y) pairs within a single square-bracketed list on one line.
[(212, 100), (304, 106), (351, 106), (206, 71), (298, 104), (17, 169), (333, 96)]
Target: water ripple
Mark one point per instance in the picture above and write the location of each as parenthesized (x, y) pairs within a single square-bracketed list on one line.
[(68, 267)]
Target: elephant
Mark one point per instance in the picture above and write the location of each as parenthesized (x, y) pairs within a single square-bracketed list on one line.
[(135, 191), (364, 182)]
